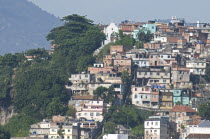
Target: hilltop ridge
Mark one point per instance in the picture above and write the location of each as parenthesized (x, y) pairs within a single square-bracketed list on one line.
[(24, 26)]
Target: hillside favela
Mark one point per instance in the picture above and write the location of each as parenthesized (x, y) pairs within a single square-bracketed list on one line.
[(74, 78)]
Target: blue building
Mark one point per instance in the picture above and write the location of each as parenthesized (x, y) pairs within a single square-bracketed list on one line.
[(146, 27)]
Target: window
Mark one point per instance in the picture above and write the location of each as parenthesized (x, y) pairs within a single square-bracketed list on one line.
[(152, 123), (150, 73), (98, 114), (164, 81), (168, 97), (69, 130), (169, 56), (156, 81), (156, 123), (147, 133), (151, 81), (142, 89), (158, 73), (147, 123), (91, 114), (79, 114), (154, 96), (135, 96), (85, 114)]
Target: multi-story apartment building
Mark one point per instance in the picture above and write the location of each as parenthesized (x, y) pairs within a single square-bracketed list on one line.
[(64, 132), (80, 82), (145, 97), (91, 110), (180, 77), (140, 57), (165, 99), (40, 129), (153, 76), (198, 130), (180, 114), (156, 128), (196, 66), (181, 96)]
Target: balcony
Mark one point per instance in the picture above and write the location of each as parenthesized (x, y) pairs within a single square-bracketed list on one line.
[(167, 98)]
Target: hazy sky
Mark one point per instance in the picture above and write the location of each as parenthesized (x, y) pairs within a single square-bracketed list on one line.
[(106, 11)]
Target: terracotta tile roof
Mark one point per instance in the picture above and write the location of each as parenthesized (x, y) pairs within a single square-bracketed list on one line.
[(182, 108), (198, 136), (194, 123), (198, 95), (196, 117), (82, 97)]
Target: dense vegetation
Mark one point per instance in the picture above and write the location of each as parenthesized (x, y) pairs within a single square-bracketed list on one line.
[(77, 39), (203, 110), (127, 116)]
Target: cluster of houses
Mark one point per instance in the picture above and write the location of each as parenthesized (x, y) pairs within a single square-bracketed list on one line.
[(168, 75), (167, 78)]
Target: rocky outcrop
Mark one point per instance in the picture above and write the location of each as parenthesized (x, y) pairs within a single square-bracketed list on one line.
[(6, 114)]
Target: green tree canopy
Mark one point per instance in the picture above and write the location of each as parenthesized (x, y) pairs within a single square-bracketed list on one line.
[(109, 127), (145, 37), (35, 89), (203, 110)]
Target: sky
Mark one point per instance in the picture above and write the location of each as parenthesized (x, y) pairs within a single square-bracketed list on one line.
[(107, 11)]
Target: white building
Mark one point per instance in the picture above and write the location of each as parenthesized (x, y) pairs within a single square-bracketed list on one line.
[(79, 83), (115, 136), (202, 128), (196, 66), (139, 57), (39, 129), (160, 38), (81, 78), (91, 110), (156, 128), (110, 31), (68, 132)]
